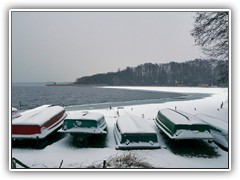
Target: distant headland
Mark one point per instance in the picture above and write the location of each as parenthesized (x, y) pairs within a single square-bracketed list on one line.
[(74, 84), (193, 73)]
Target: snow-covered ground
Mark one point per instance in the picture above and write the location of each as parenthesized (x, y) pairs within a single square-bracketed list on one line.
[(171, 155)]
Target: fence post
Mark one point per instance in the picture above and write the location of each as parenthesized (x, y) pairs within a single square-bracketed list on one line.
[(13, 164), (15, 161), (104, 164), (61, 164)]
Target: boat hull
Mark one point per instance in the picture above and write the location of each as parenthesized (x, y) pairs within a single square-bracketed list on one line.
[(218, 129), (29, 130), (132, 132), (129, 146), (183, 130), (84, 124)]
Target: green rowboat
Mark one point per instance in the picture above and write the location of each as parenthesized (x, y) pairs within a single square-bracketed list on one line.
[(182, 125)]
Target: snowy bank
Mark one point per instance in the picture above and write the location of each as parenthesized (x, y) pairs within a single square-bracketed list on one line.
[(191, 154)]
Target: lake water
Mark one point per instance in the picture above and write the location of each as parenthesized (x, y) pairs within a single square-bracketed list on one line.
[(75, 98)]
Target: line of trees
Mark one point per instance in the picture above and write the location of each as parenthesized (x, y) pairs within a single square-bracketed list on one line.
[(196, 72)]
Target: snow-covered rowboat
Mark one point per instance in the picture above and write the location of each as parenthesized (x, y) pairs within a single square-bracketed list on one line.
[(182, 125), (84, 123), (218, 129), (81, 125), (38, 123), (132, 132)]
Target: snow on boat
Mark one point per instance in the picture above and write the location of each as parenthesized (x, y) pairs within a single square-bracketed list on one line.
[(15, 113), (84, 123), (132, 132), (181, 125), (38, 123), (218, 129)]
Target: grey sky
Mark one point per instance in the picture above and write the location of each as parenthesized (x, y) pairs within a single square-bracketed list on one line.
[(62, 46)]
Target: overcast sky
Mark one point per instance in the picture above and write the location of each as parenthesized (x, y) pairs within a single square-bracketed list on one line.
[(62, 46)]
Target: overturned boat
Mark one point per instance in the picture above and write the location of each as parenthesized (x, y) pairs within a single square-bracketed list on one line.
[(37, 123), (84, 124), (218, 130), (132, 132), (78, 123), (182, 125)]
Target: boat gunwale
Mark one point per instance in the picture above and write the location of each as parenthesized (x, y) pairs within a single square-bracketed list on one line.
[(83, 130)]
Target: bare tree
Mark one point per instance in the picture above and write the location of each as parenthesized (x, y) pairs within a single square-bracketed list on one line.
[(211, 33)]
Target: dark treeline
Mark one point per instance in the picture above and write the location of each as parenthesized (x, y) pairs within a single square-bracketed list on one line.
[(197, 72)]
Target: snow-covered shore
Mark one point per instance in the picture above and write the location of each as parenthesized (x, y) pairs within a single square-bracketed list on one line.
[(166, 157), (209, 105)]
